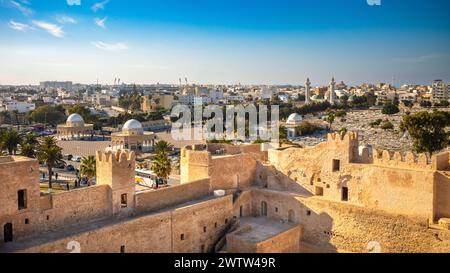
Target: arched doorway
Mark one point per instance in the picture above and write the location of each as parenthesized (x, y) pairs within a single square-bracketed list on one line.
[(8, 232), (291, 216), (263, 208)]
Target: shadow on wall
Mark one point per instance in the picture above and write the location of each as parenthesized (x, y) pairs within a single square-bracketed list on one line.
[(317, 227), (273, 179)]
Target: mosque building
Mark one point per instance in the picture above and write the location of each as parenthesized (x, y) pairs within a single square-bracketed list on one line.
[(74, 129), (132, 137)]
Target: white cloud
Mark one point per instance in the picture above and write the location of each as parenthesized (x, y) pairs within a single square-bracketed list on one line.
[(99, 5), (63, 19), (18, 26), (74, 2), (53, 29), (101, 22), (110, 47), (21, 8)]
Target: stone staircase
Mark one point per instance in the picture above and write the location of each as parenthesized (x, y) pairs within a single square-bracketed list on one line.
[(236, 196), (220, 244)]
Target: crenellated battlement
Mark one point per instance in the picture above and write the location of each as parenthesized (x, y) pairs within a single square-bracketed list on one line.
[(343, 137), (410, 160), (118, 157), (349, 138)]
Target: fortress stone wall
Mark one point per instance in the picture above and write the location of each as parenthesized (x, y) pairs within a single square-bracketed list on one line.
[(234, 167), (397, 184), (155, 233), (340, 196)]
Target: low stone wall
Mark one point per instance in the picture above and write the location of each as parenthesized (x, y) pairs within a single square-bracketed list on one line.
[(285, 242), (190, 227), (174, 195), (145, 234), (231, 172), (76, 206)]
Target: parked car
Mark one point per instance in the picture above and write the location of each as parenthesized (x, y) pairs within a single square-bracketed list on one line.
[(70, 168), (76, 159), (60, 166)]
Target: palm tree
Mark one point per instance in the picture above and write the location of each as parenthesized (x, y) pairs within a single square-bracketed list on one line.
[(16, 117), (49, 141), (5, 116), (10, 140), (30, 138), (163, 146), (330, 118), (29, 145), (28, 150), (50, 155), (162, 166), (88, 167)]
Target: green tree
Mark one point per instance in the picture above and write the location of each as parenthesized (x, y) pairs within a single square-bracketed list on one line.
[(330, 119), (47, 114), (408, 103), (84, 112), (163, 146), (306, 128), (390, 109), (88, 168), (162, 164), (28, 150), (16, 117), (428, 130), (442, 104), (283, 133), (426, 104), (130, 102), (51, 155), (29, 145), (5, 117), (387, 125), (10, 140)]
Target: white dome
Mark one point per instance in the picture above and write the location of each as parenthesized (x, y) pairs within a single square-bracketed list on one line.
[(75, 117), (132, 124), (75, 120), (294, 119)]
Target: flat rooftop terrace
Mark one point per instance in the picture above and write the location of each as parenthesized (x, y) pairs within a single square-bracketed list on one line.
[(260, 229), (11, 159)]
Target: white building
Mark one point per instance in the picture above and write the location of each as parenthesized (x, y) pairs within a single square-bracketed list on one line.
[(216, 95), (407, 96), (267, 93), (439, 91), (191, 99), (22, 107), (293, 121), (231, 99), (283, 97)]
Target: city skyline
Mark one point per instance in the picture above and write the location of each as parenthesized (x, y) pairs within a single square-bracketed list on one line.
[(256, 42)]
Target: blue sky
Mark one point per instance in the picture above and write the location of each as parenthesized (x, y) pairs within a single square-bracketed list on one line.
[(224, 41)]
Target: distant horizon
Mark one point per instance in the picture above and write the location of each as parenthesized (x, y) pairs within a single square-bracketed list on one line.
[(313, 84), (253, 42)]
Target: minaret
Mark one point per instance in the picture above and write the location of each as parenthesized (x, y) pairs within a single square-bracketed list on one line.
[(332, 91), (307, 91)]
